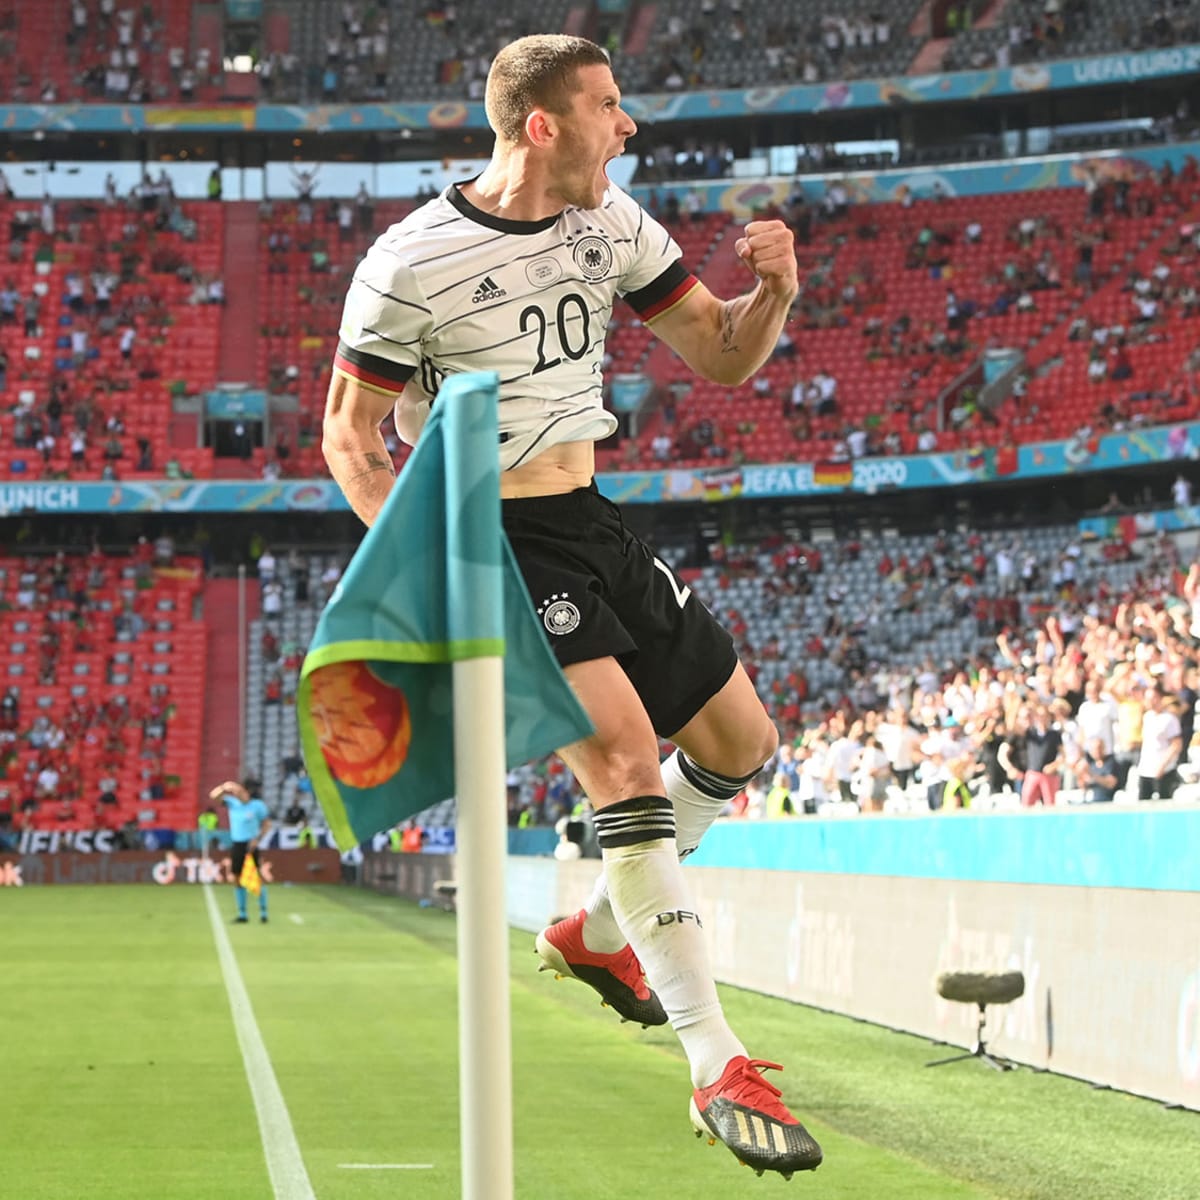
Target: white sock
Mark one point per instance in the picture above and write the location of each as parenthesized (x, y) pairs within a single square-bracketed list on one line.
[(600, 929), (654, 909), (695, 811)]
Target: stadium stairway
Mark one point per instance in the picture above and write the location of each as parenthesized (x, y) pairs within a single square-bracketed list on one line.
[(221, 757), (929, 57), (240, 317), (272, 738), (577, 21), (919, 25), (990, 17), (638, 31)]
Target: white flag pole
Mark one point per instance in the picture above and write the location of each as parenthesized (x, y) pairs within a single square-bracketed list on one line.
[(484, 1018)]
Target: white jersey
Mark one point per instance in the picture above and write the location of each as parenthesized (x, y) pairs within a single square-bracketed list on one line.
[(452, 288)]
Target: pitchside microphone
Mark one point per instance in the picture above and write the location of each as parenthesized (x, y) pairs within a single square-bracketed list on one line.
[(981, 988)]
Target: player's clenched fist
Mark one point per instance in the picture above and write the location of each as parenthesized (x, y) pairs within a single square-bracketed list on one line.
[(768, 250)]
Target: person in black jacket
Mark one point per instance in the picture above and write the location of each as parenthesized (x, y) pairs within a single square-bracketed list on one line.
[(1043, 759)]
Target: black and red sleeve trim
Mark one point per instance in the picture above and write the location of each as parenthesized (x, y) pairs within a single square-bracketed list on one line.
[(370, 369), (663, 293)]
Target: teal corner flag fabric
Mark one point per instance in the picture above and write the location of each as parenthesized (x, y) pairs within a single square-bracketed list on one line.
[(434, 581)]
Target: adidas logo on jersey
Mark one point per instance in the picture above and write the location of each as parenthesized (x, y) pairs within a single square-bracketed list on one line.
[(487, 290)]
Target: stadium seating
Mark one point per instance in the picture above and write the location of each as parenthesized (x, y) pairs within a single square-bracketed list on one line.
[(428, 56), (872, 389), (300, 307), (1096, 28), (435, 56), (302, 284), (761, 43), (811, 623), (881, 386), (796, 612), (106, 674), (175, 351), (44, 50)]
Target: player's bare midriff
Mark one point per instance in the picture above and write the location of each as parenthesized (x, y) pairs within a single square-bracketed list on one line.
[(558, 469)]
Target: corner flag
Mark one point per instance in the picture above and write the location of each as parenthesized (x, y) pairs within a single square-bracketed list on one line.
[(433, 582)]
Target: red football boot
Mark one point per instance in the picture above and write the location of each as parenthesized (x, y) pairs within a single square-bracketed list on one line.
[(618, 977), (744, 1111)]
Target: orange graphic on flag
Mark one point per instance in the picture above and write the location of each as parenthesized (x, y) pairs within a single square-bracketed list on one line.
[(362, 723)]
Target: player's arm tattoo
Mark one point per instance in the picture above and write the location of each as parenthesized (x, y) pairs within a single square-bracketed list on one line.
[(373, 462), (728, 345)]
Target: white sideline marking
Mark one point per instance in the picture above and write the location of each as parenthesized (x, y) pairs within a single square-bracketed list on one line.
[(295, 918), (386, 1166), (289, 1179)]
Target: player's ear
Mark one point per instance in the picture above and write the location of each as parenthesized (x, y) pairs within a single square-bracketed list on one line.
[(540, 128)]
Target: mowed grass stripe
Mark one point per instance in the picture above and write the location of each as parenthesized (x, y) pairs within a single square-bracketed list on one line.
[(121, 1073)]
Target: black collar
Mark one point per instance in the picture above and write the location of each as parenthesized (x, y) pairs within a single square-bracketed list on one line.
[(490, 220)]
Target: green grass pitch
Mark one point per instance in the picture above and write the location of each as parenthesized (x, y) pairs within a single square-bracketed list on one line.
[(122, 1080)]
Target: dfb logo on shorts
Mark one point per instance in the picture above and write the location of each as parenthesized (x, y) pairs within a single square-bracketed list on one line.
[(678, 917), (559, 615)]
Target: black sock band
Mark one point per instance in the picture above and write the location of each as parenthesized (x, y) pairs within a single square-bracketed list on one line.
[(639, 819), (719, 787)]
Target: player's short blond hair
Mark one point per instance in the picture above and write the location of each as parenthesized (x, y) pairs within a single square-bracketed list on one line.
[(536, 72)]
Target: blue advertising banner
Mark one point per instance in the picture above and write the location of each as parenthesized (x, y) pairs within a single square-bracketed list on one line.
[(172, 496), (873, 475), (902, 90), (652, 109), (870, 476)]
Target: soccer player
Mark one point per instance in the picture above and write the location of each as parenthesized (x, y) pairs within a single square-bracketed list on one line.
[(516, 271), (249, 823)]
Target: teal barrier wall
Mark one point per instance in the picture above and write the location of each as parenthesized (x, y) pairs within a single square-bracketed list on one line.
[(538, 839), (1156, 850)]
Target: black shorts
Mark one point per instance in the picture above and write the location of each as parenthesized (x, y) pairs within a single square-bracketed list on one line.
[(237, 858), (600, 592)]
